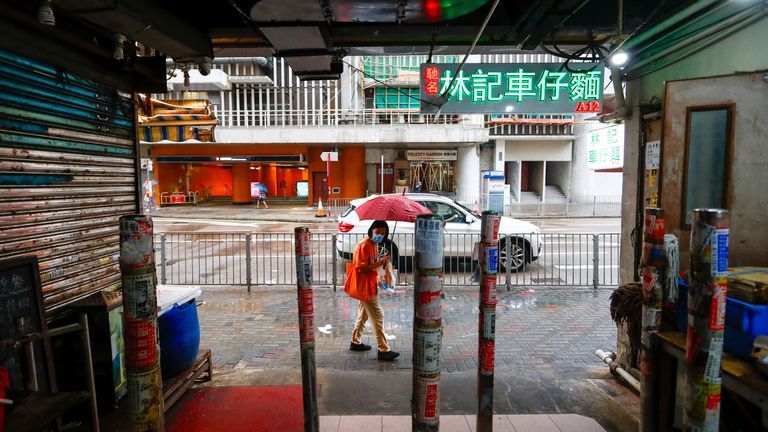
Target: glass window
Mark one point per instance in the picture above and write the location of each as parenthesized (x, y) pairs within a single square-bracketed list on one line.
[(447, 212), (706, 161)]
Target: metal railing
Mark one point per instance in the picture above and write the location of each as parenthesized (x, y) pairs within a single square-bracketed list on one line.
[(265, 259), (529, 124), (175, 198), (336, 117), (574, 206)]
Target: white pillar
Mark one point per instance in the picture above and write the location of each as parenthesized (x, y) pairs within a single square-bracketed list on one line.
[(468, 174)]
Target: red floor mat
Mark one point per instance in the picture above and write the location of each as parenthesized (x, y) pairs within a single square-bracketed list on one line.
[(236, 409)]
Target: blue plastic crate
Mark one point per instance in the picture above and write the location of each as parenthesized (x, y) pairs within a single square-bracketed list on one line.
[(743, 322)]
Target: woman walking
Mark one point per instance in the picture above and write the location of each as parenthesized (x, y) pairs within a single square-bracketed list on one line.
[(361, 284)]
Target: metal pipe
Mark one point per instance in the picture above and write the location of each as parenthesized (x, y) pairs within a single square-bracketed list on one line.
[(427, 323), (248, 261), (489, 261), (615, 368), (671, 21), (706, 319), (142, 353), (88, 357), (306, 328), (652, 274)]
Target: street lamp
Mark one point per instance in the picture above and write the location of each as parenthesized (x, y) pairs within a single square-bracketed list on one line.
[(619, 58)]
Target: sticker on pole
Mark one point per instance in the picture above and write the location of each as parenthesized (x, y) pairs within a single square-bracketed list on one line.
[(304, 271), (426, 350), (428, 292), (488, 317), (307, 329), (136, 249), (429, 242), (306, 301), (303, 243), (720, 252), (487, 349), (139, 296), (144, 390), (427, 397), (488, 291), (140, 344), (490, 258)]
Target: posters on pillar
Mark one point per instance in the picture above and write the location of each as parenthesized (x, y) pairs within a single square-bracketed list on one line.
[(605, 149)]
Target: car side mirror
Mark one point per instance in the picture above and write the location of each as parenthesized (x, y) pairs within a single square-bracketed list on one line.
[(470, 219)]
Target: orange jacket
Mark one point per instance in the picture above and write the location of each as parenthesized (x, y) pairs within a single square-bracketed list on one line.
[(361, 283)]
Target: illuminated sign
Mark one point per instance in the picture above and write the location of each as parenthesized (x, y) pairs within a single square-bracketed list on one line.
[(516, 88), (605, 149)]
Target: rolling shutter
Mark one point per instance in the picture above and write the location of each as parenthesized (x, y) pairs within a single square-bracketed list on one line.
[(67, 173)]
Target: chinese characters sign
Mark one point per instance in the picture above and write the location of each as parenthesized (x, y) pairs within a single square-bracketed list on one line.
[(519, 88), (605, 149)]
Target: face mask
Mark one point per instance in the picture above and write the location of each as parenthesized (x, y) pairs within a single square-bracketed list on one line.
[(377, 238)]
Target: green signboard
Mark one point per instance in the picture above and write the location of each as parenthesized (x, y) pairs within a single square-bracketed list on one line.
[(515, 88)]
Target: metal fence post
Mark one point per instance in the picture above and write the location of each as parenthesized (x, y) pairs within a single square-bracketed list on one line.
[(706, 319), (162, 259), (595, 261), (306, 328), (508, 251), (248, 261), (427, 323), (335, 261), (489, 261), (594, 205), (652, 270)]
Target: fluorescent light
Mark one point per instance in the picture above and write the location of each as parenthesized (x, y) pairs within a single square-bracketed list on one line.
[(619, 58), (509, 108)]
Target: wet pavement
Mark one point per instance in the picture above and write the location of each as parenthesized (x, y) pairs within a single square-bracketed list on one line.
[(558, 327), (544, 353)]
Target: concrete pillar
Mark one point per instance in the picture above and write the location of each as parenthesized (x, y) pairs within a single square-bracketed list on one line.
[(468, 174), (500, 155), (241, 184)]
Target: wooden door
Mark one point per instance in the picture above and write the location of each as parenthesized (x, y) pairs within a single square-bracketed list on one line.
[(319, 186), (524, 177)]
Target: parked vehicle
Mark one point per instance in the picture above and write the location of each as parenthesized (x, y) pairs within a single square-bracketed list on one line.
[(462, 228)]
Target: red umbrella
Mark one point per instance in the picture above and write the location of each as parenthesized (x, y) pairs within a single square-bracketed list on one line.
[(391, 208)]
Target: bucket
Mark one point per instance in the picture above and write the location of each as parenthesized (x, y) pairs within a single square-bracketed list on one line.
[(179, 338)]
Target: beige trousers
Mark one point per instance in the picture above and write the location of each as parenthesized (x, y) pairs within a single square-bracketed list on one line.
[(372, 310)]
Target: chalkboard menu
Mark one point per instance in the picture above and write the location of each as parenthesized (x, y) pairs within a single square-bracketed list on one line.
[(22, 320)]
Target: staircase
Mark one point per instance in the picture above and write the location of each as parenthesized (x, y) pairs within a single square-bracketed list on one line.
[(554, 195), (529, 197)]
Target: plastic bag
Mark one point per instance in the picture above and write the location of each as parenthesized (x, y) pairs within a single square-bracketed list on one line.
[(386, 278)]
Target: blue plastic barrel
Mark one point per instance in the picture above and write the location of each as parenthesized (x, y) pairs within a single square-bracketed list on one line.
[(179, 338)]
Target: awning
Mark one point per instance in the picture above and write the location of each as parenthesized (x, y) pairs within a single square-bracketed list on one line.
[(176, 120)]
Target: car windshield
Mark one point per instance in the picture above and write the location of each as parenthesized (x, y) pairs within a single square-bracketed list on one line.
[(467, 210), (348, 211)]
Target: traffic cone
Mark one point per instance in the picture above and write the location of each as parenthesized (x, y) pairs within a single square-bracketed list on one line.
[(320, 211), (475, 209)]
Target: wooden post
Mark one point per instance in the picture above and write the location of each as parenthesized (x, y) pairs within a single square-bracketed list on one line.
[(653, 277), (306, 328), (706, 319), (489, 261), (142, 351), (427, 324)]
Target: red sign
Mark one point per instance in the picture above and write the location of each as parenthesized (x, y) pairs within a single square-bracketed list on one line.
[(487, 360), (431, 80), (140, 344), (307, 329), (430, 410), (593, 106), (305, 301)]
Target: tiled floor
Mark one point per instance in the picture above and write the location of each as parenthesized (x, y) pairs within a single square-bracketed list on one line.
[(458, 423), (555, 327)]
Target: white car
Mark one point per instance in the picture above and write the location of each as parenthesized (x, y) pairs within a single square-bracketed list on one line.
[(462, 230)]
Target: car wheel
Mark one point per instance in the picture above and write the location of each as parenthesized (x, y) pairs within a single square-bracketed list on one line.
[(519, 255)]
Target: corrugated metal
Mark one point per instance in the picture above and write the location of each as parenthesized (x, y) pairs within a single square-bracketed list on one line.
[(67, 173)]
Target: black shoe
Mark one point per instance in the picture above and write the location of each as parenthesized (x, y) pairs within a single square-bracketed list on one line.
[(359, 347), (388, 355)]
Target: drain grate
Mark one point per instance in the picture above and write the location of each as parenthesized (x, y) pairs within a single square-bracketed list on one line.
[(546, 280)]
